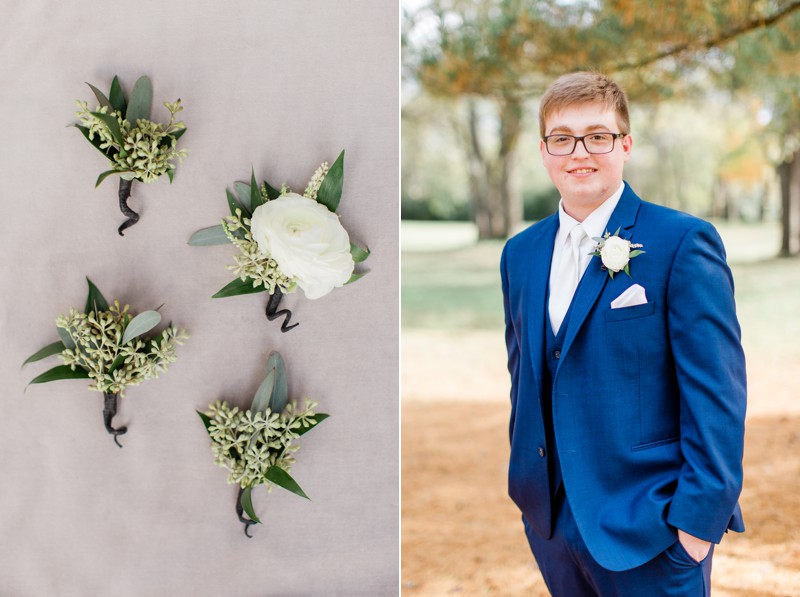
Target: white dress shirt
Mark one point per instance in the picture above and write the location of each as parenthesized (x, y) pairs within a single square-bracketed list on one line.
[(594, 226)]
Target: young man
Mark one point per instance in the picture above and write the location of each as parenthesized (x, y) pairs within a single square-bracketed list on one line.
[(627, 391)]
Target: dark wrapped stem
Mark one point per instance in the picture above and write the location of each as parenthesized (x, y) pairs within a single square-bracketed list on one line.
[(240, 513), (124, 194), (109, 410), (273, 313)]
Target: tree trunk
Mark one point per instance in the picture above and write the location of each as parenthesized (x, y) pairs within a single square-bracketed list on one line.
[(476, 167), (794, 197), (510, 208), (495, 199), (763, 201), (789, 173)]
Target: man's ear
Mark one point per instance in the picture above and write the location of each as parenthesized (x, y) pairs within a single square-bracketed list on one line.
[(627, 146)]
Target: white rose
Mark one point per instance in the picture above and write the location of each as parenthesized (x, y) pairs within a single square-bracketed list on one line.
[(306, 240), (616, 253)]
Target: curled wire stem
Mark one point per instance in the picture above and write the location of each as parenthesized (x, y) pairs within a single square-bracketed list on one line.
[(109, 410), (273, 313), (124, 195), (240, 513)]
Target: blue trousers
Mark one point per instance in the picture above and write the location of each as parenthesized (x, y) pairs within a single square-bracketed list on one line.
[(570, 571)]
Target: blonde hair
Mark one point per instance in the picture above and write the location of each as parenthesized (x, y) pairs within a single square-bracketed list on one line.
[(584, 88)]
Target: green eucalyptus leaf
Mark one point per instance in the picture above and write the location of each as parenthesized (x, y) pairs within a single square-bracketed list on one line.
[(359, 254), (280, 393), (263, 394), (255, 192), (280, 477), (66, 339), (242, 192), (330, 191), (237, 287), (49, 350), (314, 421), (171, 174), (213, 235), (178, 134), (101, 98), (272, 192), (355, 278), (273, 392), (60, 372), (116, 97), (636, 253), (141, 100), (206, 421), (112, 125), (103, 176), (95, 301), (234, 203), (141, 324), (247, 504), (95, 142)]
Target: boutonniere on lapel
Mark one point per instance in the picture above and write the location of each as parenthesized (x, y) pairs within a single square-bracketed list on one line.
[(110, 346), (287, 240), (136, 147), (616, 253)]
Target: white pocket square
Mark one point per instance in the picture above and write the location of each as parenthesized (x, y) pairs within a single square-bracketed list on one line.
[(633, 296)]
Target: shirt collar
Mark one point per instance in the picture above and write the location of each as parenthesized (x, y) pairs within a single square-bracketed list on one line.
[(595, 223)]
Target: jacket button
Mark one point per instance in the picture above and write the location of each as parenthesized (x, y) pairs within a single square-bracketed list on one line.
[(542, 451), (557, 354)]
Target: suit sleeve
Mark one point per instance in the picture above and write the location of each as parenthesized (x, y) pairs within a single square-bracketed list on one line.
[(709, 361), (512, 341)]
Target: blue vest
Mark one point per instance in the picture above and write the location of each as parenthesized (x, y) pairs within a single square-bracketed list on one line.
[(552, 354)]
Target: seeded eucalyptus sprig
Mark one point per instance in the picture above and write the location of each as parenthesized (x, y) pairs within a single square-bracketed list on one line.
[(137, 148), (256, 446), (106, 344)]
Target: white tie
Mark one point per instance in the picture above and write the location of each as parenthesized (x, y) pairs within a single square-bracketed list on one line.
[(567, 277)]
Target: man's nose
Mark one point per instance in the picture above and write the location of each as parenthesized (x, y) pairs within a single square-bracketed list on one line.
[(580, 149)]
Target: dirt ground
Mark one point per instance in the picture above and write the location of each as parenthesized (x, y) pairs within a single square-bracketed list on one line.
[(461, 535)]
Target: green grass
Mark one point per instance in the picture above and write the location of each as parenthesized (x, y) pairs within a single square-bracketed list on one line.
[(459, 289), (455, 289)]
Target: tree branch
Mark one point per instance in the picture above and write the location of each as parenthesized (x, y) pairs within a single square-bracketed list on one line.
[(711, 41)]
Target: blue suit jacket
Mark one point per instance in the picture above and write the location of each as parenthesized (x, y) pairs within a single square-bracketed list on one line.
[(648, 401)]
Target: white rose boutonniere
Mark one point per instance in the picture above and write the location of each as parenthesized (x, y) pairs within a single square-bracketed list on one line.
[(287, 240), (306, 240), (616, 253)]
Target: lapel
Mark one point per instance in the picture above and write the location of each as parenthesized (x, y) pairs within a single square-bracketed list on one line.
[(594, 279), (542, 254)]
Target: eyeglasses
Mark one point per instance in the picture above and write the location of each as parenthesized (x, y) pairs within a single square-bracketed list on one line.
[(594, 143)]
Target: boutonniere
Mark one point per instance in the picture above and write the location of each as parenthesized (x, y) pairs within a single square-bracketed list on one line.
[(616, 253), (256, 446), (287, 240), (107, 344), (136, 147)]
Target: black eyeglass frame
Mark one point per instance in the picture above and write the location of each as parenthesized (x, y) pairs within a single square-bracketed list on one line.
[(575, 139)]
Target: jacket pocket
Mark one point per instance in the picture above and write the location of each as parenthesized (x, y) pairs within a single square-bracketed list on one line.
[(635, 312), (655, 444)]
